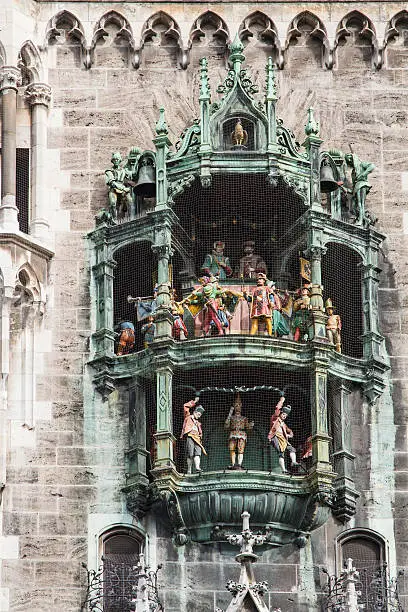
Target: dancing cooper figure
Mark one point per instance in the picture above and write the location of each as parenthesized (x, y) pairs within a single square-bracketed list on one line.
[(280, 434), (193, 433)]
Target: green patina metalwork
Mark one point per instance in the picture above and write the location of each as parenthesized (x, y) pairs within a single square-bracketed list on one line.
[(202, 508)]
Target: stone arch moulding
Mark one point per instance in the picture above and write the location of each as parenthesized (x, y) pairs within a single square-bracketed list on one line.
[(30, 63), (124, 30), (3, 56), (393, 30), (268, 34), (318, 32), (367, 31), (75, 32), (29, 285), (209, 18), (340, 240), (360, 532), (172, 32)]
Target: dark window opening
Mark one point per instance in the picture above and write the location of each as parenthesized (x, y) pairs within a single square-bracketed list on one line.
[(120, 561), (368, 558), (341, 262), (133, 276), (258, 404), (240, 208), (23, 188)]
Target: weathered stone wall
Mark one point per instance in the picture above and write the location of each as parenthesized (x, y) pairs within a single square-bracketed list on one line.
[(63, 487)]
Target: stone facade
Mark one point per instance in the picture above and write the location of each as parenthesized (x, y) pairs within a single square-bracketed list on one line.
[(62, 446)]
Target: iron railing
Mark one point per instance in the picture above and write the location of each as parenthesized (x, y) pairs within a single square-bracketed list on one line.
[(121, 587)]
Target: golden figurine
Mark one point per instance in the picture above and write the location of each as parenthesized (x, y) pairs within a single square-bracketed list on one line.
[(239, 137)]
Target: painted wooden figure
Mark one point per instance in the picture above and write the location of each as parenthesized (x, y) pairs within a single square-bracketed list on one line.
[(193, 433), (280, 434)]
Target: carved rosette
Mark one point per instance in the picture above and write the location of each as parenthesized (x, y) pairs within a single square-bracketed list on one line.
[(38, 93), (10, 78)]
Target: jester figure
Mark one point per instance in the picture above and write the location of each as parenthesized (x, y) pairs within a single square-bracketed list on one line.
[(209, 295)]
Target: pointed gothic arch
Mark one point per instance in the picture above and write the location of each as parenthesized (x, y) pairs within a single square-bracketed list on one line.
[(30, 63), (64, 29), (163, 33), (396, 41), (308, 30), (113, 30), (259, 32), (356, 37), (3, 55), (209, 32)]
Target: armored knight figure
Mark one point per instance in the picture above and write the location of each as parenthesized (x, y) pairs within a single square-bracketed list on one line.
[(361, 186), (216, 263), (237, 425), (250, 263), (120, 195)]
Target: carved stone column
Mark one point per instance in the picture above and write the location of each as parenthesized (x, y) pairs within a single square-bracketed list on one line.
[(312, 144), (314, 253), (39, 97), (6, 302), (346, 493), (164, 428), (9, 78), (372, 339), (104, 335)]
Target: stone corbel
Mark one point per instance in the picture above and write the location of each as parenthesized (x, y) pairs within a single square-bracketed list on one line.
[(104, 384)]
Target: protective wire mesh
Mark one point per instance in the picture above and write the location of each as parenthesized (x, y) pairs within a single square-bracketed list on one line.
[(367, 556), (121, 555), (23, 188), (134, 276), (226, 235), (260, 390)]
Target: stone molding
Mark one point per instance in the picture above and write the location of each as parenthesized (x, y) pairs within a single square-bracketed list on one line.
[(38, 93)]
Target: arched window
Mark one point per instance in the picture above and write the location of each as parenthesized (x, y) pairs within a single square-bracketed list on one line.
[(367, 549), (121, 548)]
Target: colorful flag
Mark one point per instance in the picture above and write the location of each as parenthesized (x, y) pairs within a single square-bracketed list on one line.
[(305, 269)]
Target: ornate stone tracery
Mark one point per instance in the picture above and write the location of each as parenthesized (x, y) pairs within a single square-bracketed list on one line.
[(238, 140)]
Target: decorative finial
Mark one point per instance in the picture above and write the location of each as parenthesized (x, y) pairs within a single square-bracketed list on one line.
[(204, 83), (161, 125), (270, 81), (236, 56), (312, 126)]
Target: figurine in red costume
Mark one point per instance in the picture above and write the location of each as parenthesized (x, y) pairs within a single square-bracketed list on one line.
[(280, 434), (192, 432)]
